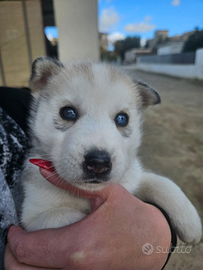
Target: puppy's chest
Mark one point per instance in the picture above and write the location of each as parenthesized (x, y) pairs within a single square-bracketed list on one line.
[(43, 196), (73, 201), (62, 198)]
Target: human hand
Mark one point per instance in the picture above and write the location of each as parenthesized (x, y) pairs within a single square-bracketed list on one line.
[(111, 237)]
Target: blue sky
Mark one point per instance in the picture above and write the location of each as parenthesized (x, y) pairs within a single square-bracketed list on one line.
[(121, 18), (51, 32)]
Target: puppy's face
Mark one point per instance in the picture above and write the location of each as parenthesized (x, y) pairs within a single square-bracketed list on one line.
[(87, 120)]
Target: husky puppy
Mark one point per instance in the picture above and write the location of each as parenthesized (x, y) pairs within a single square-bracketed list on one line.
[(86, 119)]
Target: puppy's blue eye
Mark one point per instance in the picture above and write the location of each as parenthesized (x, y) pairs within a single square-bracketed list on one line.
[(68, 113), (121, 120)]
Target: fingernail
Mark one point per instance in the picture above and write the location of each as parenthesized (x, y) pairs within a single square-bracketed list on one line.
[(44, 164), (5, 234)]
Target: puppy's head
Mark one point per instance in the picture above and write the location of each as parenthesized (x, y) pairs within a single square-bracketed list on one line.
[(86, 119)]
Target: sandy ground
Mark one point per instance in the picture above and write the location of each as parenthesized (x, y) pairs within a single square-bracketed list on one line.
[(173, 146)]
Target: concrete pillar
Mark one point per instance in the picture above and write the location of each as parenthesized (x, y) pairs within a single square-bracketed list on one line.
[(77, 23)]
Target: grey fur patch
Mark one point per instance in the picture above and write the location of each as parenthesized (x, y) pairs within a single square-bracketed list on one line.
[(125, 132), (59, 125)]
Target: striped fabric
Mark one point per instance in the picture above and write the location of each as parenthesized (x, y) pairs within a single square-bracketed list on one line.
[(13, 145)]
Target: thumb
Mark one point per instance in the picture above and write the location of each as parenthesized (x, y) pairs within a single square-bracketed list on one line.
[(39, 248), (15, 235)]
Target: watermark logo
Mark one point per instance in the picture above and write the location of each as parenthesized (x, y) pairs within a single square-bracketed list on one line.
[(147, 249)]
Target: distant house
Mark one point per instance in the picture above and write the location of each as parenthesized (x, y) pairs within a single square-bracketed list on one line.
[(159, 35), (103, 41), (170, 47), (167, 45), (184, 36), (131, 55)]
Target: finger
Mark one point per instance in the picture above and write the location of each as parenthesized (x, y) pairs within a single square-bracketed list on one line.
[(39, 248), (48, 172), (55, 180), (10, 262), (97, 197)]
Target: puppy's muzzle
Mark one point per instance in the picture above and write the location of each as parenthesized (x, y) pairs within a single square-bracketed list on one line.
[(97, 163)]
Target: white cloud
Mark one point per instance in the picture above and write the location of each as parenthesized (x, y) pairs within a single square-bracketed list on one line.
[(175, 3), (144, 26), (50, 37), (115, 36), (108, 20)]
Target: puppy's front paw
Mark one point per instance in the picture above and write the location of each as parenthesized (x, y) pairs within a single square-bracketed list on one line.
[(184, 217), (188, 225)]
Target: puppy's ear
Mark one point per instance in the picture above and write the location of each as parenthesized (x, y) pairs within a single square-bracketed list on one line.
[(42, 69), (148, 95)]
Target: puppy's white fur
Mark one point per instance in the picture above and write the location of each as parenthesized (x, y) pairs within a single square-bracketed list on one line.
[(98, 92)]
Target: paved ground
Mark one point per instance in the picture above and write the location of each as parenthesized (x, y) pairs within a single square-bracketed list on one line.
[(173, 146)]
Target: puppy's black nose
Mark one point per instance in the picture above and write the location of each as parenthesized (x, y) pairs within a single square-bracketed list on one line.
[(97, 162)]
